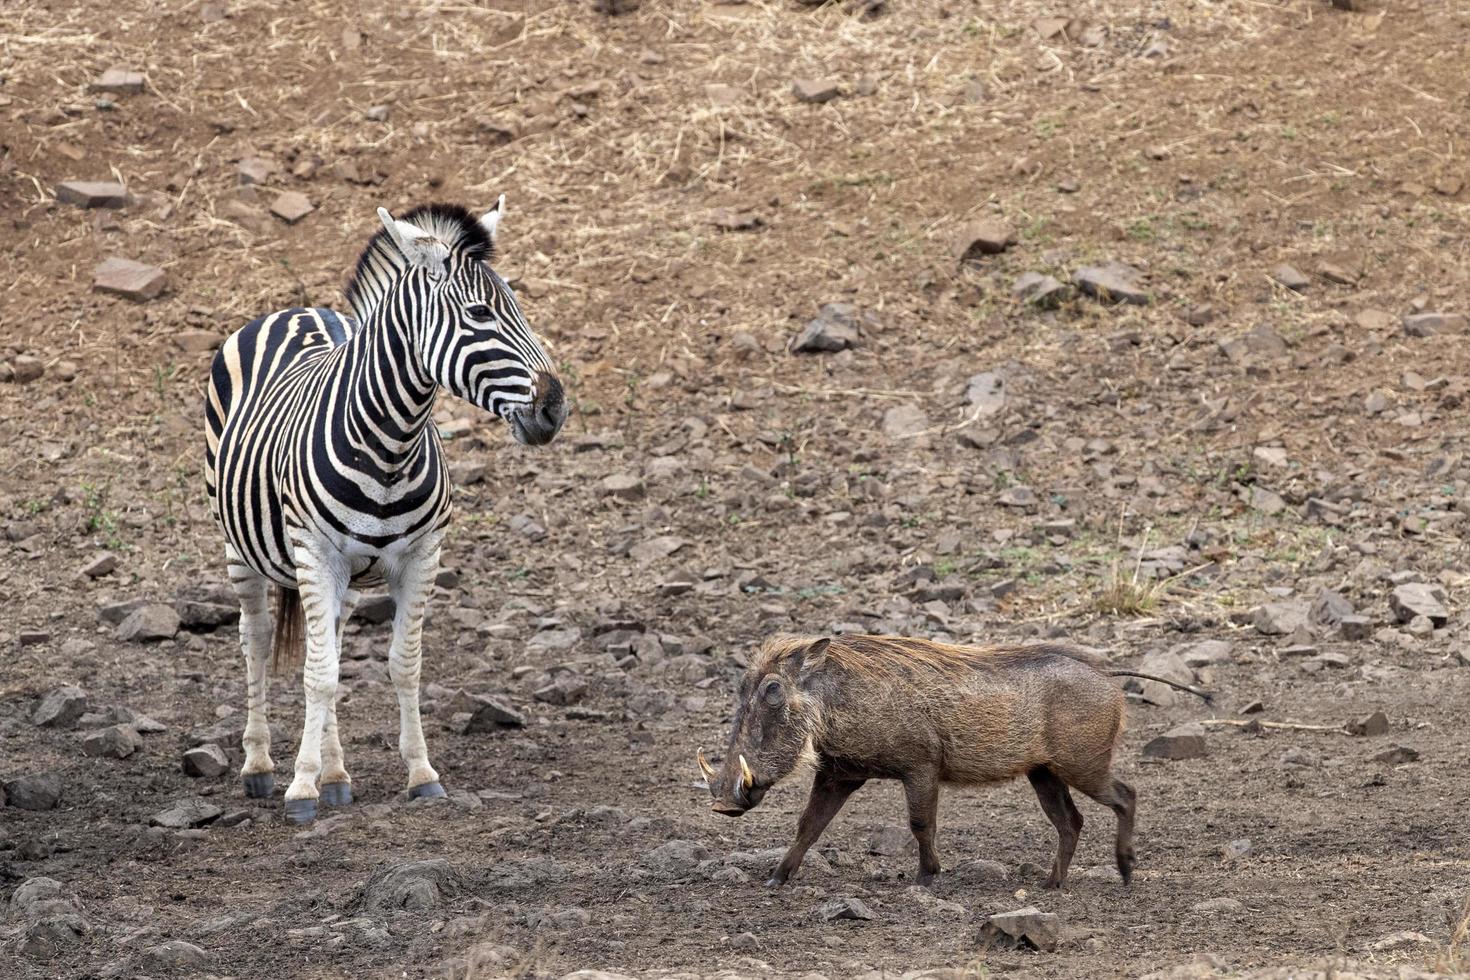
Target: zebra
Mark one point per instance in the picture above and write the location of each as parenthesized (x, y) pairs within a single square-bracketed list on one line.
[(325, 471)]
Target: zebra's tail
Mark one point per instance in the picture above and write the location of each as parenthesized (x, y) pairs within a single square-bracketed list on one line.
[(288, 649)]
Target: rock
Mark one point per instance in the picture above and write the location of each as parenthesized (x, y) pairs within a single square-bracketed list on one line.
[(527, 526), (905, 421), (986, 393), (1355, 627), (889, 840), (376, 609), (1298, 758), (415, 886), (255, 170), (565, 688), (1268, 502), (24, 369), (1374, 724), (984, 237), (1111, 283), (1238, 848), (1020, 496), (92, 193), (1329, 608), (113, 742), (103, 564), (1401, 940), (1206, 653), (836, 327), (1397, 755), (844, 908), (492, 714), (1260, 342), (1184, 742), (1027, 928), (189, 812), (1168, 665), (149, 623), (39, 792), (1213, 905), (32, 894), (1431, 324), (206, 761), (624, 486), (1290, 278), (676, 857), (198, 614), (376, 113), (1279, 618), (61, 708), (651, 550), (1040, 290), (731, 219), (130, 280), (175, 956), (119, 81), (28, 638), (291, 206), (555, 641), (815, 90), (1418, 599)]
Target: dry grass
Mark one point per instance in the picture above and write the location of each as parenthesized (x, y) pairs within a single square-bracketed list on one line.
[(1455, 957)]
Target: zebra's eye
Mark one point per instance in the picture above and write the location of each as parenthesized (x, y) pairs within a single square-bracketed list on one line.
[(481, 312)]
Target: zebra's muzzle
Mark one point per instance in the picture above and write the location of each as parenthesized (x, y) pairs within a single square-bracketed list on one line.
[(539, 422)]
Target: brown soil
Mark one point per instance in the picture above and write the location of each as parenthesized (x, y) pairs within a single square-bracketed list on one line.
[(1205, 142)]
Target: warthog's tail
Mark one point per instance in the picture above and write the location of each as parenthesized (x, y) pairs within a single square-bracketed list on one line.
[(1206, 696)]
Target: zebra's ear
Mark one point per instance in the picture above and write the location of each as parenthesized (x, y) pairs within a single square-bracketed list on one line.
[(414, 243), (491, 219)]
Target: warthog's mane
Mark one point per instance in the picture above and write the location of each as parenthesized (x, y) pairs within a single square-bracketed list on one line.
[(877, 656)]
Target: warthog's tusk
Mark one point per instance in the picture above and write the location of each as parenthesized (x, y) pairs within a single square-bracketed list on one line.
[(705, 767), (747, 778)]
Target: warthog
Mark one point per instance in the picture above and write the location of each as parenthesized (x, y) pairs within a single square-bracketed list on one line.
[(884, 707)]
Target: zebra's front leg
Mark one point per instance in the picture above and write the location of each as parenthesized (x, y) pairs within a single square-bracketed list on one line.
[(258, 772), (410, 590), (336, 785), (322, 582)]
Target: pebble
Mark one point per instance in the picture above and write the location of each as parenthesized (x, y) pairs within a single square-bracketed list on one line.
[(1026, 928), (492, 714), (624, 486), (1212, 905), (1374, 724), (1397, 755), (1419, 599), (1431, 324), (815, 90), (119, 81), (148, 623), (1184, 742), (113, 742), (255, 170), (41, 791), (984, 237), (1299, 758), (1279, 618), (61, 708), (836, 327), (131, 280), (413, 886), (676, 856), (191, 812), (291, 206), (92, 193), (1289, 277), (205, 761), (1113, 282), (377, 113), (103, 564), (844, 908), (905, 421), (986, 393), (175, 956), (1041, 290), (887, 841)]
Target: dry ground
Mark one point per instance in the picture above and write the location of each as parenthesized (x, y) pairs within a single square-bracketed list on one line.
[(1205, 142)]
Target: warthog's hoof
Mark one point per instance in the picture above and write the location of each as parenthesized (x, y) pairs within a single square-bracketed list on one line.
[(335, 794), (259, 785), (426, 791), (301, 811), (927, 880)]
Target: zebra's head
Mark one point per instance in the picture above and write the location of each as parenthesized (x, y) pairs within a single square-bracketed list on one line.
[(430, 271)]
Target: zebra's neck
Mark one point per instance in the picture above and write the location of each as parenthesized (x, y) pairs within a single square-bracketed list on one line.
[(389, 398)]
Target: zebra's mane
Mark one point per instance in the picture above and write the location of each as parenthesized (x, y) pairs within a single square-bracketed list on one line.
[(381, 263)]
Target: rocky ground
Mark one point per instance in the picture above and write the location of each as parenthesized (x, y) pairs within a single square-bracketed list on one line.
[(1141, 326)]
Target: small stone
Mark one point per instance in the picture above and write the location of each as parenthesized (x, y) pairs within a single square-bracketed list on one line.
[(413, 886), (192, 812), (1329, 608), (565, 688), (492, 714), (130, 280), (1027, 928), (377, 113), (32, 894), (119, 81), (1374, 724), (624, 486), (177, 957), (676, 856), (1239, 848), (723, 95), (887, 841), (835, 328), (734, 219), (1184, 742), (815, 90), (1418, 599), (986, 393), (1214, 905), (377, 609), (1397, 755), (1268, 502), (41, 791), (24, 369), (1279, 618), (1400, 940), (1018, 496), (291, 206), (149, 623), (1290, 278), (905, 422), (92, 193), (653, 549), (977, 238), (206, 761), (1206, 653), (103, 564), (1355, 627), (1299, 758), (1432, 324), (844, 908), (113, 742), (255, 170), (1111, 283), (61, 708), (28, 638), (1040, 290)]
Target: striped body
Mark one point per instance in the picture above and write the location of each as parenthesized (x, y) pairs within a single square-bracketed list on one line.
[(280, 457)]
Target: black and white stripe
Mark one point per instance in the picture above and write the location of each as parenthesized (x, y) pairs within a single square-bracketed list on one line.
[(323, 466)]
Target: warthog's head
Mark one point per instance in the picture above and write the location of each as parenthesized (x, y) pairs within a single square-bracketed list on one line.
[(775, 720)]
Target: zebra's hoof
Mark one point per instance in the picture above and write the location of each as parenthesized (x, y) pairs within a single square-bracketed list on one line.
[(426, 791), (301, 811), (335, 794), (259, 785)]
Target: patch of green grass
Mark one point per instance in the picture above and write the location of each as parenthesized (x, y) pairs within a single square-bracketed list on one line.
[(1142, 230)]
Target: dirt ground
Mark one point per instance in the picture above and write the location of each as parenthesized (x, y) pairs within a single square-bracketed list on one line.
[(1140, 479)]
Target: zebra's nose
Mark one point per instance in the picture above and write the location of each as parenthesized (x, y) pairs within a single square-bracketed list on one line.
[(544, 417)]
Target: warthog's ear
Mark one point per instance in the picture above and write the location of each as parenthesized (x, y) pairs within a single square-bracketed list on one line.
[(814, 658)]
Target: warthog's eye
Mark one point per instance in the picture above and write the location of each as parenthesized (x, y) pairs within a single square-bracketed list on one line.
[(772, 694)]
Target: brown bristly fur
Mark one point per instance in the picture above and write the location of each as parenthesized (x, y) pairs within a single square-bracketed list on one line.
[(876, 656), (288, 648)]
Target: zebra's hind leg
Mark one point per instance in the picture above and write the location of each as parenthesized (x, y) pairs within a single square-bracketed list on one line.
[(410, 590), (258, 772), (321, 579), (336, 785)]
